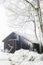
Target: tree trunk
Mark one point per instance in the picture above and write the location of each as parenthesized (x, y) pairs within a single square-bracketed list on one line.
[(38, 22)]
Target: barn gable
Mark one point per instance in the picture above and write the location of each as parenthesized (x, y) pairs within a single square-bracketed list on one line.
[(11, 36)]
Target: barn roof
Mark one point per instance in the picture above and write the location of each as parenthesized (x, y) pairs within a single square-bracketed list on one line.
[(11, 36)]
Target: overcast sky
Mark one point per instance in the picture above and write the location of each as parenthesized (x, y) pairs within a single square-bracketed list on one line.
[(4, 29)]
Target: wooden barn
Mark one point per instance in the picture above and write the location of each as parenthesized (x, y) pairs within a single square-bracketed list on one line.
[(14, 42)]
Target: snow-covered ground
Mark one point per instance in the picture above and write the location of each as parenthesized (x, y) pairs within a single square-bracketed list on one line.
[(21, 57)]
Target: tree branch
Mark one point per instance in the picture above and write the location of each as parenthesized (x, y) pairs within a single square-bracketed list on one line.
[(30, 4)]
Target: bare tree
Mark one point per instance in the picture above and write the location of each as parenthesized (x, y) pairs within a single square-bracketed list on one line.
[(38, 21)]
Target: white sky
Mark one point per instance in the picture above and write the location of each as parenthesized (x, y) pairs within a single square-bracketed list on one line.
[(4, 29)]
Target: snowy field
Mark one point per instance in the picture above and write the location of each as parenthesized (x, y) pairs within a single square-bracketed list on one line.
[(21, 57)]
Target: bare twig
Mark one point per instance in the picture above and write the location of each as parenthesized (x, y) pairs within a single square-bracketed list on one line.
[(30, 4)]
